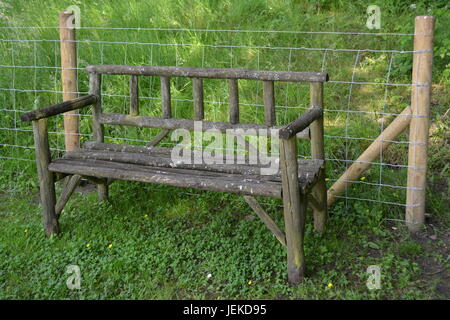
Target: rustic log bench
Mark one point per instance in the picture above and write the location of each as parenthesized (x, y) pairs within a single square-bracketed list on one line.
[(297, 181)]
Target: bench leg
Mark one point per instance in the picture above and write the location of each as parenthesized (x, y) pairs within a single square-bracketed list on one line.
[(48, 200), (319, 192), (295, 204), (46, 178), (294, 220), (102, 189)]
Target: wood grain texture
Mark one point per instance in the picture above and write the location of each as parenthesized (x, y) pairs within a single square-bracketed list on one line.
[(307, 172), (202, 180)]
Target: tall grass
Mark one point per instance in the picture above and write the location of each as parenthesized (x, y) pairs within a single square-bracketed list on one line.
[(205, 48)]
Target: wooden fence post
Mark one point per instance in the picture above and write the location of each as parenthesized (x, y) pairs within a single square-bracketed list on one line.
[(418, 134), (69, 79)]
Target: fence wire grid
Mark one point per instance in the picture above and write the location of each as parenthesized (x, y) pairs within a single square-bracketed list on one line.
[(365, 93)]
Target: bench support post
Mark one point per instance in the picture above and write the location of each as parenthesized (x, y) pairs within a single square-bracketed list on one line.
[(319, 191), (95, 87), (46, 179), (295, 204)]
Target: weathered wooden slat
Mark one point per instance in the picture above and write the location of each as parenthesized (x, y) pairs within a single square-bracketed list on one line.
[(295, 204), (270, 224), (197, 92), (233, 90), (165, 98), (174, 177), (307, 165), (46, 179), (319, 190), (301, 123), (59, 108), (188, 124), (134, 96), (166, 152), (67, 191), (308, 169), (269, 103), (182, 171), (213, 73)]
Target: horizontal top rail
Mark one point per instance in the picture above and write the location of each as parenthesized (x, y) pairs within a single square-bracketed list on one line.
[(212, 73)]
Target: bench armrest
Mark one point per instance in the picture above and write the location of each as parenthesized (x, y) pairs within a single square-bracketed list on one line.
[(301, 123), (59, 108)]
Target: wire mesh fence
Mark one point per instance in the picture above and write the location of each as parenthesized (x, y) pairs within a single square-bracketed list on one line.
[(365, 92)]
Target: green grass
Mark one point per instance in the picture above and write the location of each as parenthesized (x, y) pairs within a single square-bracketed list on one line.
[(164, 246), (187, 235)]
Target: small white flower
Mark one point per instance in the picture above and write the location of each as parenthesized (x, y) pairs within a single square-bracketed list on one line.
[(209, 275)]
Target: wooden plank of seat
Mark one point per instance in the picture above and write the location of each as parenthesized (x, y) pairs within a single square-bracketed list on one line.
[(197, 179), (161, 157)]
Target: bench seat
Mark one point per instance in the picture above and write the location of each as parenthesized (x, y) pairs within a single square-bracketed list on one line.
[(154, 165)]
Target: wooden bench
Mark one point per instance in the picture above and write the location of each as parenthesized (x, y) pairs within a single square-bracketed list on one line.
[(297, 181)]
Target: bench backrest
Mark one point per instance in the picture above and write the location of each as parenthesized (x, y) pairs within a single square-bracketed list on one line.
[(197, 74)]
